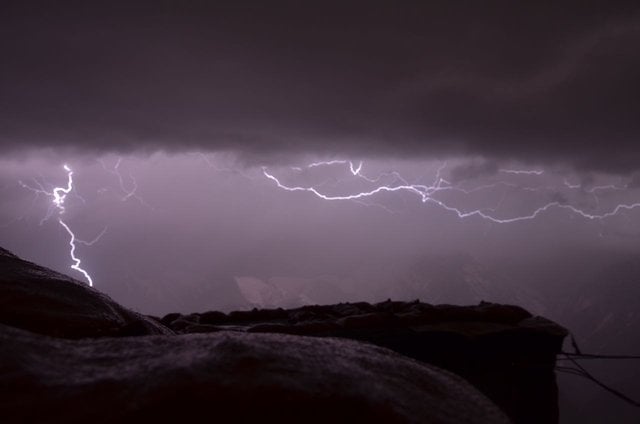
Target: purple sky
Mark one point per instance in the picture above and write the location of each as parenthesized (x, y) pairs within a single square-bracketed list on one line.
[(195, 104), (542, 82), (197, 221), (195, 99)]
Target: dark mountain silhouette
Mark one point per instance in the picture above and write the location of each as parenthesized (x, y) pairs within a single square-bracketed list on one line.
[(43, 301), (227, 375)]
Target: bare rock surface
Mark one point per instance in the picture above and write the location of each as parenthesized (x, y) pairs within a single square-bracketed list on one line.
[(305, 364), (38, 299), (229, 377), (504, 351)]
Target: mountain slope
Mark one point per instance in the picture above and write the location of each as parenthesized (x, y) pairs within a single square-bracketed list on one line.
[(38, 299)]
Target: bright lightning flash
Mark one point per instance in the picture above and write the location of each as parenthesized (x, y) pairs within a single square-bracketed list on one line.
[(428, 193), (59, 195)]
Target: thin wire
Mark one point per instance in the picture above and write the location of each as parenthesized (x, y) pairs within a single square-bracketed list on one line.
[(594, 356), (581, 371)]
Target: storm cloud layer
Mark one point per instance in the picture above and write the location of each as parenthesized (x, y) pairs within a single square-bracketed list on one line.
[(537, 82)]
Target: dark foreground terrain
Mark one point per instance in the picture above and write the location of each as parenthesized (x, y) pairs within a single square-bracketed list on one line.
[(70, 354)]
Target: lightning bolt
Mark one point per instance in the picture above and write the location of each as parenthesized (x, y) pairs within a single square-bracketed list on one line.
[(355, 170), (128, 193), (72, 252), (521, 171), (59, 196), (427, 193)]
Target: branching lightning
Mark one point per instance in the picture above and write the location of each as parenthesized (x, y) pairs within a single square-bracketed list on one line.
[(429, 193), (369, 190), (59, 196), (128, 193)]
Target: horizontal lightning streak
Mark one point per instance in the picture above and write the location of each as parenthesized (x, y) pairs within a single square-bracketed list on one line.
[(426, 194), (521, 172)]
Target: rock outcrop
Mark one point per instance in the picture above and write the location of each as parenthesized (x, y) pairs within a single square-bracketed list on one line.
[(38, 299), (226, 377), (503, 350), (69, 354)]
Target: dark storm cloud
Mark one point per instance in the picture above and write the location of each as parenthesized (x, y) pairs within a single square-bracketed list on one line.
[(561, 198), (635, 181), (531, 81), (473, 170)]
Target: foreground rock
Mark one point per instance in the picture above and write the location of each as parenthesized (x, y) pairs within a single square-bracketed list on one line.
[(261, 364), (226, 377), (38, 299), (502, 350)]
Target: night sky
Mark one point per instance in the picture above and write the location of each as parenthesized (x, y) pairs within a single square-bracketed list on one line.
[(173, 116), (504, 136), (190, 101), (536, 81)]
